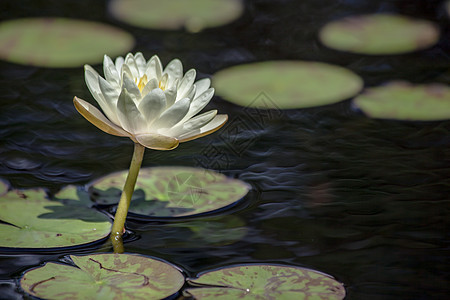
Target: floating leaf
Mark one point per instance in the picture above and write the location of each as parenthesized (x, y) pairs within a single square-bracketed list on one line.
[(172, 191), (3, 188), (32, 221), (286, 84), (265, 282), (59, 42), (74, 196), (379, 34), (405, 101), (104, 276), (195, 15)]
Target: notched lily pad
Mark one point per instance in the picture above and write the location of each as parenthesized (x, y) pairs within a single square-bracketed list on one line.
[(259, 281), (104, 276), (286, 84), (32, 221), (60, 42), (172, 191), (194, 15), (406, 101), (378, 34)]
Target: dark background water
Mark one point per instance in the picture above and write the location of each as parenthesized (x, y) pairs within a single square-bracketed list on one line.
[(364, 200)]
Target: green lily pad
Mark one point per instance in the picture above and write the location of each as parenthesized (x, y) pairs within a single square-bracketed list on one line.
[(194, 15), (59, 42), (172, 191), (265, 282), (104, 276), (32, 221), (286, 84), (3, 188), (379, 34), (406, 101), (73, 195)]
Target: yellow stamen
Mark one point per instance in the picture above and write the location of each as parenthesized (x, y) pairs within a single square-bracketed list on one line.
[(142, 82)]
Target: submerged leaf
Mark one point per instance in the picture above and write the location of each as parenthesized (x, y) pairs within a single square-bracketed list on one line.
[(286, 84), (194, 15), (104, 276), (172, 191), (265, 282), (379, 34), (405, 101), (60, 42), (32, 221)]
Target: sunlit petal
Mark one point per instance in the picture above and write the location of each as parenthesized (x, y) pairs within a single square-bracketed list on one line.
[(173, 114), (110, 71), (202, 85), (152, 105), (214, 125), (174, 69), (157, 141), (93, 115), (129, 115)]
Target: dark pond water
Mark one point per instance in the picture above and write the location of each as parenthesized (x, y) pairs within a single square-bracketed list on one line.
[(366, 201)]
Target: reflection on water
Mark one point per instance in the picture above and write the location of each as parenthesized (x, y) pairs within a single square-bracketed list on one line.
[(364, 200)]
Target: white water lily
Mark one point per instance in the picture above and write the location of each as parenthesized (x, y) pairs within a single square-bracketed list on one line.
[(154, 107)]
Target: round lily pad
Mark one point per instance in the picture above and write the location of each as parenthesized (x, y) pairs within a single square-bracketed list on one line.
[(194, 15), (265, 282), (32, 221), (286, 84), (104, 276), (406, 101), (378, 34), (59, 42), (172, 191)]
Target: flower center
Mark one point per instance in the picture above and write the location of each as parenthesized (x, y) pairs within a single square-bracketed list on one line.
[(142, 82)]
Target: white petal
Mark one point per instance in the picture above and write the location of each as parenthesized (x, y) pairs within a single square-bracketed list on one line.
[(174, 69), (151, 85), (131, 87), (93, 115), (209, 128), (157, 141), (154, 68), (141, 63), (131, 63), (110, 71), (199, 103), (171, 95), (172, 115), (110, 94), (119, 64), (91, 77), (129, 115), (202, 85), (192, 124), (185, 84), (152, 105)]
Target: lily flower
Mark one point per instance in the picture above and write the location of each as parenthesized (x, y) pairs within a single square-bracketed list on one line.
[(154, 107)]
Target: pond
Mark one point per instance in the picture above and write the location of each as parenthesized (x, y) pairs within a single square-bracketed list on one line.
[(365, 200)]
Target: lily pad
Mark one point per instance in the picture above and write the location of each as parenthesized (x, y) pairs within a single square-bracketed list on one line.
[(104, 276), (265, 282), (378, 34), (32, 221), (59, 42), (73, 195), (172, 191), (406, 101), (194, 15), (286, 84)]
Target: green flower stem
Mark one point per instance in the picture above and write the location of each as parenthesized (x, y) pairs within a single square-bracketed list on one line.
[(124, 203)]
